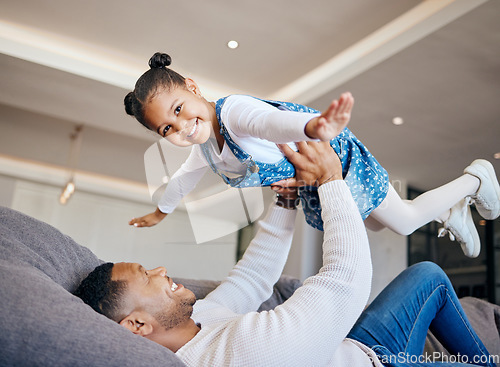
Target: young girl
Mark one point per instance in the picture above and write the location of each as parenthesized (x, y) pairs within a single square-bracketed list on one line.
[(244, 153)]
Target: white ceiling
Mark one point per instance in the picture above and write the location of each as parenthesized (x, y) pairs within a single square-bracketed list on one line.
[(436, 63)]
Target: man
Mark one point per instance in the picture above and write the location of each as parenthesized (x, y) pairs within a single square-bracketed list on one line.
[(311, 327)]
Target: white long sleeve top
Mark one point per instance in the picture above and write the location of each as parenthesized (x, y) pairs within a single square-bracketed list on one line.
[(310, 328), (254, 125)]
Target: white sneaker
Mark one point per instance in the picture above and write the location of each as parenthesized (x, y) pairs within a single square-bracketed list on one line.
[(461, 228), (487, 197)]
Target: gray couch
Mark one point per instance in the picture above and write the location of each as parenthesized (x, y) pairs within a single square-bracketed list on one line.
[(45, 325)]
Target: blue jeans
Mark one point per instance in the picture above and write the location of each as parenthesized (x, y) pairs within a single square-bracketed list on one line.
[(395, 324)]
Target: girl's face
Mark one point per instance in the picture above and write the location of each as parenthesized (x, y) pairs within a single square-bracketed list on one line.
[(181, 115)]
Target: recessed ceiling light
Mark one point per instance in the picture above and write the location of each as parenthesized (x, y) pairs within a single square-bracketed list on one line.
[(397, 121), (232, 44), (496, 155)]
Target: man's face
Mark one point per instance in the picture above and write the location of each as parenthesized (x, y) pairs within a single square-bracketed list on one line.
[(154, 292)]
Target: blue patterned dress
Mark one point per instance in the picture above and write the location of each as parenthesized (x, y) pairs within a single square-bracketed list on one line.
[(367, 180)]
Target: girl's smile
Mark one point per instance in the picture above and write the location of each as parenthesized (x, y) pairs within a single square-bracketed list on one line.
[(194, 130)]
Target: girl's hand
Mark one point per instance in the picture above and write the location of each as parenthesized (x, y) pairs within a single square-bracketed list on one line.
[(148, 220), (331, 122), (287, 195)]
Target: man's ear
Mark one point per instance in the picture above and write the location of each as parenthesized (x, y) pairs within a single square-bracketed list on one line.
[(139, 323), (192, 86)]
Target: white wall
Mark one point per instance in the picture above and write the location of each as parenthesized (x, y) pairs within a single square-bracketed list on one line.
[(389, 258), (46, 140), (97, 218), (305, 258), (6, 190)]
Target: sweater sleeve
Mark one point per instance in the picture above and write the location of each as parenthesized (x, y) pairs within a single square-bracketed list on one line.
[(248, 116), (252, 279), (183, 181), (312, 324)]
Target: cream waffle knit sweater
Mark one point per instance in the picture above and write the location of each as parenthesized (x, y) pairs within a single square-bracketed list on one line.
[(310, 328)]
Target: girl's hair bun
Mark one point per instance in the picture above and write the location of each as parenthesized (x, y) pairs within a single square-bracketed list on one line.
[(130, 103), (159, 60)]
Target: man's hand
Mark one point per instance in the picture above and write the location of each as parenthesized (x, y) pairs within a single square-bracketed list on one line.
[(332, 121), (315, 163)]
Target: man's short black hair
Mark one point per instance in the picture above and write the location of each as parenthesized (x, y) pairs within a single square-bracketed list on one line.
[(101, 293)]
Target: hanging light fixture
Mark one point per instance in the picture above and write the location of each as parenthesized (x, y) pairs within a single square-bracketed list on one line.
[(66, 193), (76, 143)]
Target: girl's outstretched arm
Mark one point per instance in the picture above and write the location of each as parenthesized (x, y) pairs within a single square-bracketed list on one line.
[(181, 183), (332, 121)]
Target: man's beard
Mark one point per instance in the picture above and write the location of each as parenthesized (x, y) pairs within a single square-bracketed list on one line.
[(182, 312)]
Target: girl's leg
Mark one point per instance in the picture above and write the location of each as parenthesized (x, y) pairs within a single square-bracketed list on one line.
[(405, 216), (420, 298)]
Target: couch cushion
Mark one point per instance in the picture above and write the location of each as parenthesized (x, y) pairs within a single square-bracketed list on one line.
[(26, 241), (44, 324)]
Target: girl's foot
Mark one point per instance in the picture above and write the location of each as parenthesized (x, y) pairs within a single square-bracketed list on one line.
[(487, 197), (461, 228)]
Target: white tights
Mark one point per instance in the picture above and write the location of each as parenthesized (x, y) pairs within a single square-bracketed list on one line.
[(405, 216)]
